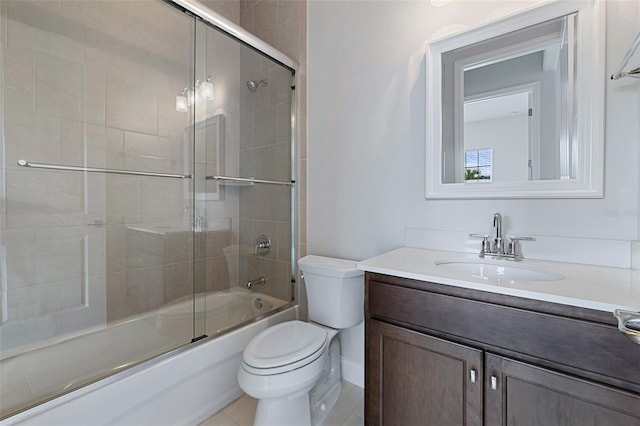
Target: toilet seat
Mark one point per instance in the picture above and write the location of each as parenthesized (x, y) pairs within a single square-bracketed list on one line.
[(284, 347)]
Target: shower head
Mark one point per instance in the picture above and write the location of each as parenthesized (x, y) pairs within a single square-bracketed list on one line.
[(253, 85)]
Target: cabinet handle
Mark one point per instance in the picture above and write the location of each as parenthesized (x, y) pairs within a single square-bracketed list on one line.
[(473, 375), (494, 382)]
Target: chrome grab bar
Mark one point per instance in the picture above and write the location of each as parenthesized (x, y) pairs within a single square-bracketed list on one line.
[(260, 281), (629, 324), (249, 180), (24, 163)]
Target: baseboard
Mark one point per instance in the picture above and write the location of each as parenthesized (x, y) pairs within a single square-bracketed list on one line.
[(352, 372)]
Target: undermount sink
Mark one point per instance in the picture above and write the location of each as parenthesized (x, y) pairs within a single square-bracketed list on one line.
[(499, 270)]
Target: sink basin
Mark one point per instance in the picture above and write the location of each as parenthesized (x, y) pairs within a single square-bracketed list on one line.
[(499, 270)]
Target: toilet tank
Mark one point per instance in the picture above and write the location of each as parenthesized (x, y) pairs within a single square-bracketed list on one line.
[(335, 291)]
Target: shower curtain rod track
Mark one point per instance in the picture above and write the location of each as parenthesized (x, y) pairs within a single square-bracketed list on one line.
[(24, 163), (249, 180)]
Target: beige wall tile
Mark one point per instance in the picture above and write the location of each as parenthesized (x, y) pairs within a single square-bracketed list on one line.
[(56, 103), (181, 281), (31, 138), (117, 308), (104, 147), (284, 242), (33, 301), (95, 98), (277, 36), (19, 81), (131, 108), (217, 274), (230, 9), (163, 200), (38, 198), (124, 199), (20, 257), (146, 152), (289, 10), (171, 123), (63, 75), (116, 258), (69, 253), (265, 16), (31, 39), (246, 18), (72, 142)]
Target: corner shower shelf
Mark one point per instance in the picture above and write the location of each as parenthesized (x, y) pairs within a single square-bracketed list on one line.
[(24, 163), (240, 181)]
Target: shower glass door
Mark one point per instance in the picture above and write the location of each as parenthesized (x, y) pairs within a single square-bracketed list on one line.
[(244, 183), (97, 247)]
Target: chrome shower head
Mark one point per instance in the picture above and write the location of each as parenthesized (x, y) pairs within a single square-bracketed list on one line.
[(253, 85)]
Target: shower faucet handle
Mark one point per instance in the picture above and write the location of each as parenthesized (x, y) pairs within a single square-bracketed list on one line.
[(263, 245)]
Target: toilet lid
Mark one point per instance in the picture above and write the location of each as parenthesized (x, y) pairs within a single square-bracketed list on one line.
[(283, 344)]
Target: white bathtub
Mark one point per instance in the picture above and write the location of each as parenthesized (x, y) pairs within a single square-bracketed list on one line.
[(182, 387)]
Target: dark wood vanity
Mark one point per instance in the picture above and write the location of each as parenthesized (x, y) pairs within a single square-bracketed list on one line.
[(443, 355)]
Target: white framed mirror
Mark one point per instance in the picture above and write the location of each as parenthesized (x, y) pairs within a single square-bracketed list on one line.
[(515, 107)]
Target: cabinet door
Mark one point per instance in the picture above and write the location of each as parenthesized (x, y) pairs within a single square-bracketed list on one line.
[(521, 394), (414, 379)]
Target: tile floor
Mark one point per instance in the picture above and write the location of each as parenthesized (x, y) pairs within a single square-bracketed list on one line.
[(349, 411)]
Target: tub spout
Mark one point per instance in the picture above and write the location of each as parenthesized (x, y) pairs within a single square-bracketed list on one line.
[(260, 281)]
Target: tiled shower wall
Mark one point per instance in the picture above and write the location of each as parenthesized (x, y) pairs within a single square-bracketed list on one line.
[(281, 23)]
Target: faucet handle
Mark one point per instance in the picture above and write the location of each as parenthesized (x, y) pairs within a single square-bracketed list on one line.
[(513, 244), (486, 245), (478, 236), (521, 238)]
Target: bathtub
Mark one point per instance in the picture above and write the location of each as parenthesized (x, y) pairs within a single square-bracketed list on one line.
[(184, 386)]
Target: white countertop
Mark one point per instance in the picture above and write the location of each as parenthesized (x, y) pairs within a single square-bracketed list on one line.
[(594, 287)]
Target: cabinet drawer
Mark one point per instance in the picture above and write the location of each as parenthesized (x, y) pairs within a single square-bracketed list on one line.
[(585, 348)]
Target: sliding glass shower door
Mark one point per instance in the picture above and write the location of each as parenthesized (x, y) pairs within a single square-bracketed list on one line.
[(146, 189), (97, 194)]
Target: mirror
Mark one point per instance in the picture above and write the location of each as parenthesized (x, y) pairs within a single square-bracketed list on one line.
[(515, 107)]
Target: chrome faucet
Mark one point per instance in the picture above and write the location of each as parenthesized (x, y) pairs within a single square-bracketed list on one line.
[(497, 249)]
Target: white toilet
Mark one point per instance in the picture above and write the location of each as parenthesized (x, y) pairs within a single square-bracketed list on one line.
[(293, 368)]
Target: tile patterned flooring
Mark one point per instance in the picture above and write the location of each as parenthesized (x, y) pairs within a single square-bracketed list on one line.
[(349, 411)]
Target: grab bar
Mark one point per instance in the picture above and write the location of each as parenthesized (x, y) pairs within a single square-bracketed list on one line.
[(24, 163), (249, 180)]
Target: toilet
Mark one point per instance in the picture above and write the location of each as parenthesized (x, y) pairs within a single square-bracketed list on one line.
[(293, 368)]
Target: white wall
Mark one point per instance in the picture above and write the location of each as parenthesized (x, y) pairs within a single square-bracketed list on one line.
[(366, 132), (366, 136)]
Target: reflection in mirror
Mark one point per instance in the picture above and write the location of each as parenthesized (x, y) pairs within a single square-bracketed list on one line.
[(209, 144), (515, 106), (511, 95)]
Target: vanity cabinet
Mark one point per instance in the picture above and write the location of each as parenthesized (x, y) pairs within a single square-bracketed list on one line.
[(442, 355)]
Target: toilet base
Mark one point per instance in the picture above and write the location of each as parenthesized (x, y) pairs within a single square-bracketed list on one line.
[(324, 395), (293, 411)]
